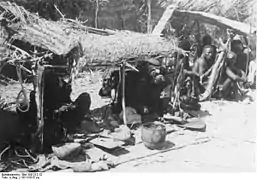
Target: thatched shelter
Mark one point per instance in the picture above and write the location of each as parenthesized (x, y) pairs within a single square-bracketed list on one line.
[(48, 44), (28, 27), (181, 20), (24, 32), (177, 18), (238, 10), (27, 38), (101, 47), (124, 45)]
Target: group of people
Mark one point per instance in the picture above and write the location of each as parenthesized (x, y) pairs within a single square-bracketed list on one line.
[(234, 71), (153, 88), (144, 89)]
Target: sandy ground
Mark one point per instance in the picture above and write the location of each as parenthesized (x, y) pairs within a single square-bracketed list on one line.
[(231, 130)]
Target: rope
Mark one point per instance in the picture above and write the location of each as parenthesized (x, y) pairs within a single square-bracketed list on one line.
[(22, 92)]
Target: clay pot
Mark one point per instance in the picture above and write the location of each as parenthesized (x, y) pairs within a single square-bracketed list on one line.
[(153, 134)]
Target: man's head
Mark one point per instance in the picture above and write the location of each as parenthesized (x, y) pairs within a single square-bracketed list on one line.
[(237, 46), (110, 82), (206, 40), (184, 44), (208, 52), (231, 58), (83, 103)]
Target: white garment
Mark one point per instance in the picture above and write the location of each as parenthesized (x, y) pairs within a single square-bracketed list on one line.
[(252, 72)]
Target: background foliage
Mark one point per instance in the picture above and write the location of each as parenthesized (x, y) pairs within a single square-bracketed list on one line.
[(132, 14)]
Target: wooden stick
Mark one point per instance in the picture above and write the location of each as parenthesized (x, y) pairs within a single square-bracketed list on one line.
[(163, 21), (214, 76), (63, 16), (19, 49), (163, 151), (1, 154), (149, 26), (123, 94), (217, 67), (39, 101), (248, 53)]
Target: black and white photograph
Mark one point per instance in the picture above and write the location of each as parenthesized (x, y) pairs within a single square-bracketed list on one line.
[(128, 86)]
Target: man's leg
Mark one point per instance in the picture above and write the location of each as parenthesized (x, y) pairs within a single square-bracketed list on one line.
[(197, 88), (225, 88)]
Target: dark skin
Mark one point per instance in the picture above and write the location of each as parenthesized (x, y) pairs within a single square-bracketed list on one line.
[(232, 70), (230, 77), (203, 63), (201, 68)]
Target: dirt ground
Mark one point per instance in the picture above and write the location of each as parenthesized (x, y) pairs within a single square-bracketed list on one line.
[(231, 134), (231, 130)]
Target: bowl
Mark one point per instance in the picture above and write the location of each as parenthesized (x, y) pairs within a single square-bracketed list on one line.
[(153, 134)]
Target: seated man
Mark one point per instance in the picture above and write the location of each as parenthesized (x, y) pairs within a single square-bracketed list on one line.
[(201, 67), (229, 77), (241, 52)]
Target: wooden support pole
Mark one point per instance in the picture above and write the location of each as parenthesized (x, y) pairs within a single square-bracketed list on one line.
[(39, 135), (149, 26), (96, 13), (123, 93), (164, 19)]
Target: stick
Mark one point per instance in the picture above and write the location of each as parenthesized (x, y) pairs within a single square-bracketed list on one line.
[(149, 26), (39, 101), (132, 67), (217, 67), (63, 16), (163, 151), (20, 50), (248, 54), (123, 94), (214, 76), (165, 17), (8, 147)]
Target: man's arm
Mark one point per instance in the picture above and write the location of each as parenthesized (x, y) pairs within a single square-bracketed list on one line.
[(233, 76)]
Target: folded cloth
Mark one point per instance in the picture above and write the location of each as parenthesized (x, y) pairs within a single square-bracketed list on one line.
[(83, 166), (67, 150), (53, 163)]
